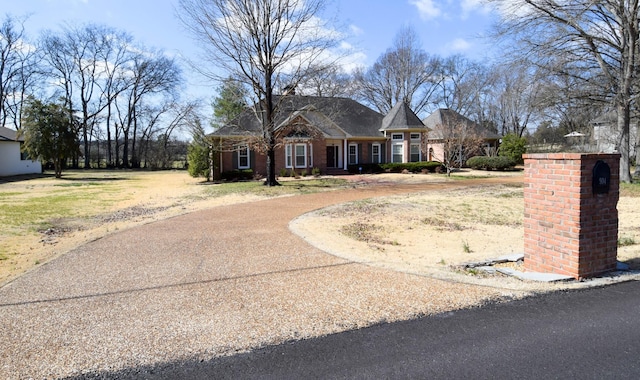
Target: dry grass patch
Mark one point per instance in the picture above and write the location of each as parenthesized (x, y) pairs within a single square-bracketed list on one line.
[(43, 217)]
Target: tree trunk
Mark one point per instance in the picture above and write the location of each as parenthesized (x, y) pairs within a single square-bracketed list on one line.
[(623, 148), (271, 167), (636, 173), (268, 131), (87, 149)]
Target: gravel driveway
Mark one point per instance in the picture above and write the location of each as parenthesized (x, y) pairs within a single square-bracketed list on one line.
[(209, 283)]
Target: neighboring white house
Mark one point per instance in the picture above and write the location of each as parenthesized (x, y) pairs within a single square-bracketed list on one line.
[(607, 136), (12, 161)]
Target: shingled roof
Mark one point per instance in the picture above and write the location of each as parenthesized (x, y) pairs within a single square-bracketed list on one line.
[(401, 117), (334, 116), (448, 117), (7, 134)]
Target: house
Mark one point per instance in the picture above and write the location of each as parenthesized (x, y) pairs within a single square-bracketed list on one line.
[(327, 133), (606, 135), (12, 161), (445, 124)]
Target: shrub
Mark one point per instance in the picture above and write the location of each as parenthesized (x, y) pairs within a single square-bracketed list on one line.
[(237, 175), (412, 167), (491, 163), (315, 172), (513, 147)]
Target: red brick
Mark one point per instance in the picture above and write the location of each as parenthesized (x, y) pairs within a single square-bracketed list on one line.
[(575, 232)]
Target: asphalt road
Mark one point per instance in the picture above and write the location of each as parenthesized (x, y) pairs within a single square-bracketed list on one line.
[(587, 334)]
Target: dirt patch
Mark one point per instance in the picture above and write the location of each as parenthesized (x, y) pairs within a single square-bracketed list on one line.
[(435, 233)]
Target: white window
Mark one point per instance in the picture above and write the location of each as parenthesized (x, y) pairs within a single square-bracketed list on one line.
[(301, 155), (397, 136), (288, 156), (243, 157), (353, 154), (296, 154), (375, 153), (415, 136), (415, 152), (397, 152)]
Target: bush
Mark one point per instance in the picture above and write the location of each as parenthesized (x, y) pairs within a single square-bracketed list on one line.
[(491, 163), (395, 167), (513, 147), (412, 167), (237, 175)]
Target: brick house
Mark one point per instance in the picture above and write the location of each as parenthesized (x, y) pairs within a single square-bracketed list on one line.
[(446, 123), (327, 133)]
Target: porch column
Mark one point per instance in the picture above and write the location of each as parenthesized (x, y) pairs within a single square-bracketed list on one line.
[(345, 155)]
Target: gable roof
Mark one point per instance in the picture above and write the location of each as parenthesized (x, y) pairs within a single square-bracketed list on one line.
[(7, 134), (333, 116), (448, 117), (401, 117)]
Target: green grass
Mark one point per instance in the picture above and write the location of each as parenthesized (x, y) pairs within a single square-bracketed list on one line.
[(626, 241), (85, 194), (36, 211), (630, 189)]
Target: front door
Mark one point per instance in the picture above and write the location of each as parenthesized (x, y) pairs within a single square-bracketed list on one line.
[(332, 157)]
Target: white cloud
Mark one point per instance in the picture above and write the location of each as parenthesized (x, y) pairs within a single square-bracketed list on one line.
[(355, 30), (459, 44), (470, 6), (427, 8)]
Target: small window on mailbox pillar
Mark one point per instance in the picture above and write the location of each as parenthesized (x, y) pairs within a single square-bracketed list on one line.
[(601, 177)]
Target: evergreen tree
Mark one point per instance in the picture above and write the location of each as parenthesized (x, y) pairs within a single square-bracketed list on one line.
[(198, 153), (48, 133), (229, 102), (513, 147)]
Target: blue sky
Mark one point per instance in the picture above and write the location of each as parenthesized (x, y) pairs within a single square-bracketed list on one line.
[(445, 26)]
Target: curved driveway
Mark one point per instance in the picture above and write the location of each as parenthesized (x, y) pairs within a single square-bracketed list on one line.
[(209, 283)]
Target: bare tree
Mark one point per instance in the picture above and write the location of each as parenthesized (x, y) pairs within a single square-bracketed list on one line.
[(462, 84), (404, 73), (457, 142), (18, 68), (85, 44), (329, 81), (161, 122), (152, 77), (517, 92), (593, 41), (263, 42), (114, 56)]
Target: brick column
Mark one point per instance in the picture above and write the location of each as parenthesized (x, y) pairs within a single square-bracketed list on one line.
[(568, 228)]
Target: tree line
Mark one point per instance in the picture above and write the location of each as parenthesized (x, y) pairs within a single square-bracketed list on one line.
[(563, 64), (122, 99)]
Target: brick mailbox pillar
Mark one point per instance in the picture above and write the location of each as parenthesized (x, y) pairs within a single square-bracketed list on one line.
[(570, 213)]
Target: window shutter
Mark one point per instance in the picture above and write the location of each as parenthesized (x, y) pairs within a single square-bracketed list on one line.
[(234, 159), (370, 147)]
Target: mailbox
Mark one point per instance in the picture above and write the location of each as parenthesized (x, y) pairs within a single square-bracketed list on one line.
[(601, 177)]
